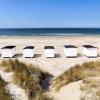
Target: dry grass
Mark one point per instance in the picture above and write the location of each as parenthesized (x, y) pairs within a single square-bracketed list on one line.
[(4, 95), (77, 72), (90, 89), (32, 79)]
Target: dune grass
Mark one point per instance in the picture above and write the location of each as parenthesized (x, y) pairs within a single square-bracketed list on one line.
[(4, 95), (90, 89), (33, 80), (77, 72)]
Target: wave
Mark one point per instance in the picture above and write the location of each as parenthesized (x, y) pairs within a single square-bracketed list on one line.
[(48, 34)]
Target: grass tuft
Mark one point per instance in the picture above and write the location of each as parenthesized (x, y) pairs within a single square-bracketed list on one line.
[(4, 95), (90, 89), (77, 72), (33, 80)]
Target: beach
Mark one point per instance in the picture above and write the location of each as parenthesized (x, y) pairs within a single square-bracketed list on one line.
[(55, 66), (49, 50), (60, 63)]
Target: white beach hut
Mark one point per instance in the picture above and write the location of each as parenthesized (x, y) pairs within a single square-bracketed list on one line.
[(70, 51), (8, 51), (28, 52), (90, 51), (49, 51)]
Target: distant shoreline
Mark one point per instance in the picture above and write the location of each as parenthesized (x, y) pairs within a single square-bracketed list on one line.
[(66, 35)]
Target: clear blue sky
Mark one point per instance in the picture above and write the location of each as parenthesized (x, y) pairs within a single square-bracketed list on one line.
[(49, 13)]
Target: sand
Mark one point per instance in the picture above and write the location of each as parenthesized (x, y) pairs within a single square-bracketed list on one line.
[(60, 63), (15, 91), (69, 92)]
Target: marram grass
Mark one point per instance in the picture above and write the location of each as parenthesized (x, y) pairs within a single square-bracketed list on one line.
[(90, 89), (33, 80), (4, 94), (77, 72)]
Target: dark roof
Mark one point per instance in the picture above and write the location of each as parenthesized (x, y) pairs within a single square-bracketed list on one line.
[(49, 47), (70, 46), (8, 47), (88, 46), (29, 47)]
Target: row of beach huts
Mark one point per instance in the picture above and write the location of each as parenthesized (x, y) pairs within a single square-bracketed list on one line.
[(49, 51)]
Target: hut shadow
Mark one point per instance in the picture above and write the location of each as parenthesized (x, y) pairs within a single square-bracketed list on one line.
[(79, 55), (98, 55), (37, 55), (18, 55), (90, 57), (57, 56), (0, 55)]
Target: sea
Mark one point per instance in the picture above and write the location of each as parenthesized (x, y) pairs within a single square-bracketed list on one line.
[(48, 31)]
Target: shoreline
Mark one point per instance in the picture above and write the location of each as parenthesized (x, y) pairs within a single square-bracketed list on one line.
[(58, 35)]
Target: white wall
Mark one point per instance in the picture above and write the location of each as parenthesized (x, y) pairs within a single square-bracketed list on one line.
[(90, 52), (28, 52), (8, 52), (49, 52), (70, 52)]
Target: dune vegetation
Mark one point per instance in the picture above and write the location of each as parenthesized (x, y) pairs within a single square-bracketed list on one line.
[(90, 89), (36, 82), (76, 73), (4, 94), (33, 80)]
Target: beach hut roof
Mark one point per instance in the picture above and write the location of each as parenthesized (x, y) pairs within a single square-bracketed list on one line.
[(49, 47), (88, 46), (70, 46), (8, 47), (29, 47)]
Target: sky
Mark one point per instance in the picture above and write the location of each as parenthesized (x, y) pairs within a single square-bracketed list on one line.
[(49, 13)]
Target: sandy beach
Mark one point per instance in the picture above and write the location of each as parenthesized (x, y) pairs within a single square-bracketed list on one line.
[(49, 50), (60, 63), (57, 65)]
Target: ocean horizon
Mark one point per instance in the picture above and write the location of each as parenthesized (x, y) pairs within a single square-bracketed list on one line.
[(48, 31)]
